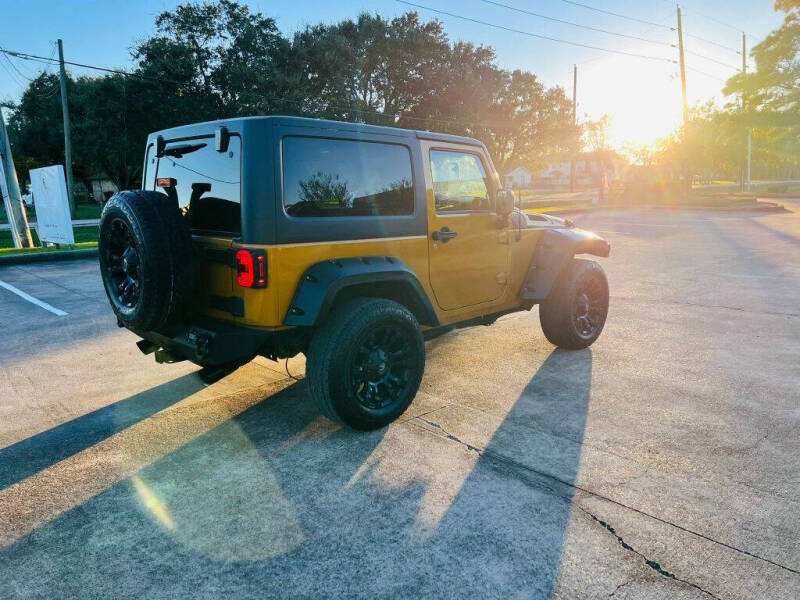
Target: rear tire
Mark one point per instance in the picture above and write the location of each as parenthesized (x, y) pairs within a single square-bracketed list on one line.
[(365, 363), (574, 314)]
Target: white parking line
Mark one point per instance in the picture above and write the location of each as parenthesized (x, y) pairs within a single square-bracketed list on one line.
[(31, 299)]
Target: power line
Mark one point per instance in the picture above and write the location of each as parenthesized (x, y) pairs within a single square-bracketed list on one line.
[(714, 60), (536, 35), (715, 20), (13, 66), (709, 75), (645, 22), (26, 56), (713, 43), (621, 16), (589, 27), (43, 95), (10, 72)]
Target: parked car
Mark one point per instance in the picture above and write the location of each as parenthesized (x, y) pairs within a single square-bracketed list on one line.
[(350, 243)]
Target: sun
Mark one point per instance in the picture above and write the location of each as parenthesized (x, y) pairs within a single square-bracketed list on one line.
[(642, 98)]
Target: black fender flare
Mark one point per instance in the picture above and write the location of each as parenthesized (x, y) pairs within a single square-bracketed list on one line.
[(381, 276), (554, 248)]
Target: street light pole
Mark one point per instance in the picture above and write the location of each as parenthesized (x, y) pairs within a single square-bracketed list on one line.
[(67, 141), (574, 123), (749, 130), (12, 199), (683, 67)]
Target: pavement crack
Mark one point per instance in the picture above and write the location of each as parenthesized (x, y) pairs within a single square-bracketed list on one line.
[(619, 587), (650, 563), (500, 458), (755, 444), (450, 436)]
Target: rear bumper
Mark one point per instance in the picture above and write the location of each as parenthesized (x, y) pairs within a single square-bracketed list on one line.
[(209, 342)]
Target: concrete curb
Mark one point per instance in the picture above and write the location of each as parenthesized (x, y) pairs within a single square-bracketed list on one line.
[(778, 196), (58, 255)]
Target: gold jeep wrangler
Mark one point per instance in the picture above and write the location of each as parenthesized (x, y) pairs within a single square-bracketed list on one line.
[(349, 243)]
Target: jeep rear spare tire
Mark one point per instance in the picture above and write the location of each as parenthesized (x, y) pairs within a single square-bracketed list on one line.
[(146, 258), (366, 362)]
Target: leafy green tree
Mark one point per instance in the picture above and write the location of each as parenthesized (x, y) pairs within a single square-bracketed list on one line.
[(772, 92), (774, 87), (35, 126), (370, 69), (595, 134), (213, 60)]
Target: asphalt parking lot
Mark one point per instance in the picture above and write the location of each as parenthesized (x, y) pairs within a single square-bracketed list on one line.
[(663, 462)]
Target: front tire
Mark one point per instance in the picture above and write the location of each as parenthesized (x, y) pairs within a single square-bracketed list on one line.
[(575, 312), (366, 362)]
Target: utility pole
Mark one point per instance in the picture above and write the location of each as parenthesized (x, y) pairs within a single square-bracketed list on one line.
[(67, 142), (749, 130), (12, 200), (683, 68), (574, 123)]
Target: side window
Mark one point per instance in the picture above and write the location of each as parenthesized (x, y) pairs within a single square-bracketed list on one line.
[(459, 182), (346, 178), (206, 182)]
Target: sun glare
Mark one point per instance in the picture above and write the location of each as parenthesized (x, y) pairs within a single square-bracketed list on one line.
[(642, 99)]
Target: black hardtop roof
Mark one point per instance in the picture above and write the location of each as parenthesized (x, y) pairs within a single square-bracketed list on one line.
[(237, 123)]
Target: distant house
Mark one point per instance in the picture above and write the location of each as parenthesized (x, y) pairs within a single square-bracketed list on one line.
[(102, 187), (591, 168), (518, 178)]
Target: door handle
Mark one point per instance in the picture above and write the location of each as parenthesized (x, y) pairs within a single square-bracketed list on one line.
[(444, 235)]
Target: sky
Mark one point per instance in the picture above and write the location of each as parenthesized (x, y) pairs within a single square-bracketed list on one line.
[(642, 96)]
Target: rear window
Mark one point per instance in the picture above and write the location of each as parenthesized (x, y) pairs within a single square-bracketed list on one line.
[(207, 183), (346, 178)]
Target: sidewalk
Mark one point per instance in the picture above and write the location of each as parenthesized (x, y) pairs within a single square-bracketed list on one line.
[(75, 223)]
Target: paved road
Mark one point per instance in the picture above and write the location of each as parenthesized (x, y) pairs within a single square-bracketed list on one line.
[(660, 463)]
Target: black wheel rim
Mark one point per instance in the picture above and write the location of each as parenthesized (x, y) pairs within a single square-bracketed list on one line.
[(588, 307), (382, 366), (122, 264)]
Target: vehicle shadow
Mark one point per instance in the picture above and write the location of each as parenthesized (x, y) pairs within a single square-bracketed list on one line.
[(31, 455), (510, 519), (279, 501)]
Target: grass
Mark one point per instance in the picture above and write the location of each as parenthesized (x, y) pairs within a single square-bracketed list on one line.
[(82, 211), (559, 208), (85, 237), (40, 250)]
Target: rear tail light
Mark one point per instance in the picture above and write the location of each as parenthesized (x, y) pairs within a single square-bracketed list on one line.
[(251, 268)]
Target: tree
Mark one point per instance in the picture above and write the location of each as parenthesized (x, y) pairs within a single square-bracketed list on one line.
[(774, 86), (370, 69), (217, 59), (772, 92), (595, 134), (325, 188), (35, 127)]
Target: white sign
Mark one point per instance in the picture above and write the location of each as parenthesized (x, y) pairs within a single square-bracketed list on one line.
[(53, 221)]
